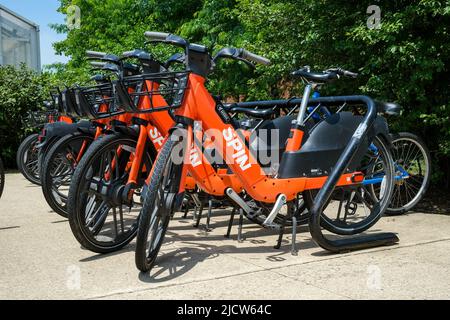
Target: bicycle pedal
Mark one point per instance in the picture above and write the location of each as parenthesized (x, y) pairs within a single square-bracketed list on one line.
[(272, 226), (281, 201)]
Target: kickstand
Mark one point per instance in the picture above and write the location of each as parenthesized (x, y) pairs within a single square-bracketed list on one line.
[(199, 216), (241, 221), (186, 210), (294, 250), (208, 218), (280, 236), (230, 223), (194, 214)]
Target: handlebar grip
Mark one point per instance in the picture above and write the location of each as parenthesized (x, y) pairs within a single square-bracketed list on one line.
[(349, 74), (157, 36), (97, 64), (126, 54), (255, 58), (95, 54)]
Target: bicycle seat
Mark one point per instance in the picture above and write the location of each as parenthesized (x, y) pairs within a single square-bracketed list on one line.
[(389, 108), (255, 113), (317, 77)]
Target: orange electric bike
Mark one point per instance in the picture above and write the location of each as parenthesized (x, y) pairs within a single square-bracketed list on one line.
[(64, 155), (330, 157), (105, 193), (27, 157)]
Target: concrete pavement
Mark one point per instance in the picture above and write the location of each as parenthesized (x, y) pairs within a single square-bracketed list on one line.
[(40, 259)]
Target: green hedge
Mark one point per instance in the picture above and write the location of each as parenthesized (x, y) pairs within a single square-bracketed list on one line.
[(21, 90), (406, 60)]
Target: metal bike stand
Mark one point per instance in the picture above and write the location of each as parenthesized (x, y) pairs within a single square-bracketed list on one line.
[(208, 218), (354, 243), (199, 216), (281, 234), (241, 222), (186, 211), (194, 214), (294, 250), (230, 223)]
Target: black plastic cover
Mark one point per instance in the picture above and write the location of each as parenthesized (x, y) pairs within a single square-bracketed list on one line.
[(326, 142)]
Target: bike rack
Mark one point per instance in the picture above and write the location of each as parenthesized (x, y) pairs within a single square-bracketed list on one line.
[(352, 243)]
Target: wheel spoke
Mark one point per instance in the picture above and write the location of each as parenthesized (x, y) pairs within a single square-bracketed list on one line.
[(103, 213)]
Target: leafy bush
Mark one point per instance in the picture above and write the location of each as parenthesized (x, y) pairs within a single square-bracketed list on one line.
[(406, 60), (21, 90)]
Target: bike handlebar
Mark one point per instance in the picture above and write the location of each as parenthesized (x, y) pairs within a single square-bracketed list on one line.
[(97, 64), (241, 55), (343, 72), (127, 54), (167, 38), (95, 54), (157, 36), (247, 55), (350, 74), (138, 54)]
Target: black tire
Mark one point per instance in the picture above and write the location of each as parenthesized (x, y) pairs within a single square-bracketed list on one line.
[(43, 150), (365, 196), (58, 162), (417, 162), (85, 203), (2, 177), (27, 159), (158, 208)]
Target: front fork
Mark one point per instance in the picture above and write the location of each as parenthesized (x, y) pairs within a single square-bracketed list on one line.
[(136, 165)]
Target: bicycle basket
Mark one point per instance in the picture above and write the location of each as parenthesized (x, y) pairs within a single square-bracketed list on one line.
[(55, 93), (152, 92), (70, 105), (39, 118), (98, 102)]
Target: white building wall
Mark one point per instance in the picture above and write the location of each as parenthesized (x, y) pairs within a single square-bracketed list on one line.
[(19, 40)]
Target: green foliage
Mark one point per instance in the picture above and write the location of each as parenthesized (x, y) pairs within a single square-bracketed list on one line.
[(21, 90), (406, 60)]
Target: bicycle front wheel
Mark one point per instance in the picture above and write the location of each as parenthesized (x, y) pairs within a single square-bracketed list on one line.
[(103, 213), (59, 165), (27, 159), (158, 207)]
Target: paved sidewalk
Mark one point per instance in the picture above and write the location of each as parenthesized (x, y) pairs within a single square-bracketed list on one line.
[(40, 259)]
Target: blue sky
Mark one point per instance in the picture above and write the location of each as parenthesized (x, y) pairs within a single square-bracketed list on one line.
[(41, 12)]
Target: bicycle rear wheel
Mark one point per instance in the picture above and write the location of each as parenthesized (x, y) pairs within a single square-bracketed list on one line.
[(354, 209), (412, 163)]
